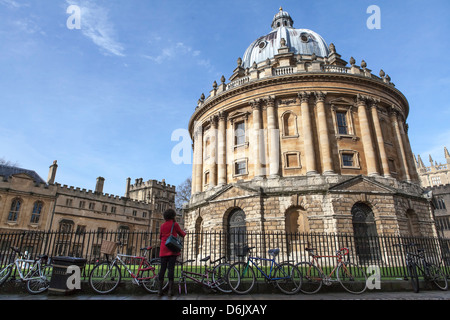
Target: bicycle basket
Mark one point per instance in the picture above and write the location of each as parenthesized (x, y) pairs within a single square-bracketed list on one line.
[(108, 247)]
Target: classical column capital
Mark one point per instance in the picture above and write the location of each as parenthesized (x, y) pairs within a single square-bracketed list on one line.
[(255, 104), (222, 115), (270, 101), (304, 96), (361, 100), (213, 121), (320, 96)]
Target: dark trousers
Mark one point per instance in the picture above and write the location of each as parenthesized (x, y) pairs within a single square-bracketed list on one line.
[(167, 263)]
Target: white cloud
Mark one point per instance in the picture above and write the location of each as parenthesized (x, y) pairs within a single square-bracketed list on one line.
[(13, 4), (96, 26), (176, 50)]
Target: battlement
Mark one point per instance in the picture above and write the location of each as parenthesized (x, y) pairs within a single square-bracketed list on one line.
[(139, 184), (93, 196)]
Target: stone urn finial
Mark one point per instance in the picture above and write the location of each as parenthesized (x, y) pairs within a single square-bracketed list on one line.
[(352, 61), (363, 64), (222, 79), (382, 73), (283, 42), (239, 62), (332, 48)]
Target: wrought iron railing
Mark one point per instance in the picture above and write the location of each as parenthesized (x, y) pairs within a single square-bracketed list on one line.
[(371, 251)]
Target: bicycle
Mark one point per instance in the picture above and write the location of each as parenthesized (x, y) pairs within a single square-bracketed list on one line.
[(217, 280), (242, 278), (106, 276), (35, 272), (351, 277), (430, 271)]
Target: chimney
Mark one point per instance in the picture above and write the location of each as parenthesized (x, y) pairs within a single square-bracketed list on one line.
[(99, 185), (127, 190), (52, 173)]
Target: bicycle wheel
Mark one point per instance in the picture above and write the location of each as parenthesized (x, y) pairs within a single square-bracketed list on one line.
[(412, 271), (311, 277), (41, 280), (219, 277), (5, 273), (438, 277), (241, 277), (352, 277), (290, 278), (105, 278), (150, 280)]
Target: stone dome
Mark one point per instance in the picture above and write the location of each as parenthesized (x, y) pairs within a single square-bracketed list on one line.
[(299, 41)]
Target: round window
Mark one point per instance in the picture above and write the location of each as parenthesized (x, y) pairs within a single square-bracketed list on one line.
[(262, 44), (304, 37)]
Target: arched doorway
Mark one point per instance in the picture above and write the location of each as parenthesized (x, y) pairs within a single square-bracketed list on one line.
[(365, 231), (237, 233)]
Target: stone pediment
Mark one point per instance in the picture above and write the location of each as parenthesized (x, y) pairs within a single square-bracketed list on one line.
[(233, 191), (361, 184)]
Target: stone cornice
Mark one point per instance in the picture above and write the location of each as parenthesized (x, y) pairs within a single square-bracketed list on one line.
[(211, 102)]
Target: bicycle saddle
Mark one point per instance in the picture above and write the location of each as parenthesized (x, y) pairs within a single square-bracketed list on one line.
[(205, 258), (43, 257), (274, 252)]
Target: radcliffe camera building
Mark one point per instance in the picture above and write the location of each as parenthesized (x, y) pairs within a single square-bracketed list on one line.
[(300, 140)]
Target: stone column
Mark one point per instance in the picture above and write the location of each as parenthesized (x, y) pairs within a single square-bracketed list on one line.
[(198, 160), (255, 139), (307, 134), (398, 137), (324, 139), (380, 140), (366, 137), (274, 139), (221, 154), (213, 153)]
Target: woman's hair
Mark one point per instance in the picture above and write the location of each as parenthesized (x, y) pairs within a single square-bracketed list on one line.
[(169, 214)]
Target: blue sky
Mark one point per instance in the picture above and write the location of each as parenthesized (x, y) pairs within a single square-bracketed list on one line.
[(104, 100)]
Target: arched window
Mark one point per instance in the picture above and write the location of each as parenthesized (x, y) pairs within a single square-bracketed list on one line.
[(365, 231), (198, 235), (36, 214), (15, 210), (237, 233), (296, 225)]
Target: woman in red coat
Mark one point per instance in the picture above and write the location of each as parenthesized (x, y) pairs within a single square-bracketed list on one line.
[(168, 257)]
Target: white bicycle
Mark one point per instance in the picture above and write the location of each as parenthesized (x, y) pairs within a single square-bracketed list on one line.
[(35, 272)]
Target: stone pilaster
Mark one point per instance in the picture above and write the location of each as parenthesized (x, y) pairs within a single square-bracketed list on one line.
[(324, 139), (308, 134), (366, 137)]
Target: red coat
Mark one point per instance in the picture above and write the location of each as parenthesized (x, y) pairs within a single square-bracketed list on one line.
[(164, 233)]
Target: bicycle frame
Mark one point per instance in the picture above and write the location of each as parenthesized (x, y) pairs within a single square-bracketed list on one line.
[(273, 264), (339, 257), (34, 265), (144, 265)]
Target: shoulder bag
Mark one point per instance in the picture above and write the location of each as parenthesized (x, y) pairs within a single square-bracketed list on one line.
[(173, 243)]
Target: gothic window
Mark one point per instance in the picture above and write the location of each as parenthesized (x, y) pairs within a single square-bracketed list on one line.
[(15, 209), (66, 226), (36, 214), (365, 231), (237, 233)]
